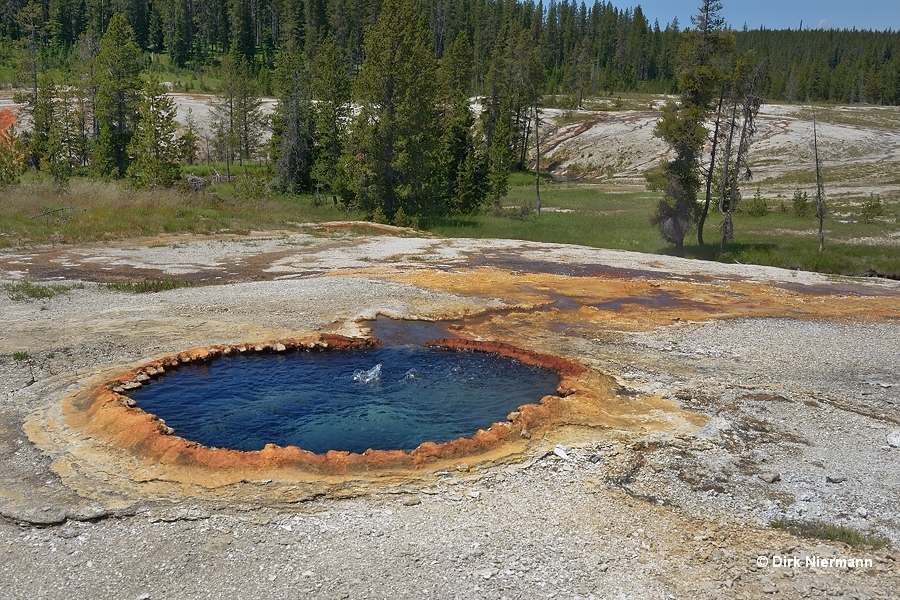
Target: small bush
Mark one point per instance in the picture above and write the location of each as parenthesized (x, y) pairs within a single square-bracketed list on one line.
[(379, 217), (872, 208), (251, 188), (757, 206), (802, 205), (21, 355), (400, 218)]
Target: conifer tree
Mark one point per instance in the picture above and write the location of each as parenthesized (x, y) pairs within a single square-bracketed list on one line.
[(744, 104), (331, 87), (700, 74), (243, 42), (189, 141), (42, 112), (30, 20), (237, 117), (181, 44), (463, 169), (292, 121), (500, 159), (154, 149), (393, 158), (12, 158), (118, 95)]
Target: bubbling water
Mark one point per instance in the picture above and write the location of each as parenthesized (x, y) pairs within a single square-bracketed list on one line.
[(352, 400)]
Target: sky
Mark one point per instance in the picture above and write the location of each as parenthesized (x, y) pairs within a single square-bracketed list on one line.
[(781, 14)]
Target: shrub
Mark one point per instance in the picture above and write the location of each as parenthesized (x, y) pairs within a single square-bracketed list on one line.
[(25, 290), (147, 286), (379, 217), (802, 206), (400, 218), (872, 208), (757, 206)]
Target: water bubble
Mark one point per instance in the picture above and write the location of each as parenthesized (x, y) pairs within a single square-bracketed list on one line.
[(373, 375)]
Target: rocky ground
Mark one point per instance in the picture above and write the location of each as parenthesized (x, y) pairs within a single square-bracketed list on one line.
[(792, 379)]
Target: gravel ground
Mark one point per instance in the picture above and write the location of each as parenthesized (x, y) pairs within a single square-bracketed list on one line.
[(803, 425)]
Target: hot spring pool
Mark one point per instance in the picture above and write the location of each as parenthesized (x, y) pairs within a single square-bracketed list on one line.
[(379, 398)]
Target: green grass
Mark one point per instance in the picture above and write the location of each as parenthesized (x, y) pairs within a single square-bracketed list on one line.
[(596, 215), (621, 220), (21, 355), (148, 286), (572, 214), (820, 530), (24, 291), (37, 212)]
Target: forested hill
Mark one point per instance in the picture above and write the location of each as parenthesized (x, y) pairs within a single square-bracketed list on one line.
[(584, 49)]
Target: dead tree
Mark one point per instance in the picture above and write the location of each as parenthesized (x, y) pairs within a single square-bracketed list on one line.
[(744, 108), (537, 164), (712, 168), (820, 188)]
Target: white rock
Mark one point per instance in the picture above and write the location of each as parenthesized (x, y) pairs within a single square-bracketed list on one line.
[(561, 452), (862, 512), (893, 438)]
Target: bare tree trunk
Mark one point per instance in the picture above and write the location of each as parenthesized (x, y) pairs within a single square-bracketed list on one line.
[(820, 188), (712, 168), (537, 164), (748, 128), (723, 185)]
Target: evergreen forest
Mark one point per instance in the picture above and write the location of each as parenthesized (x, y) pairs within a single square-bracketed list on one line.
[(581, 48), (374, 97)]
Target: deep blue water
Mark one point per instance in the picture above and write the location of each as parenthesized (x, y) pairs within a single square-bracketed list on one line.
[(341, 400)]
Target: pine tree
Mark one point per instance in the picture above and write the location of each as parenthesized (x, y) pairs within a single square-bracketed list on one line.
[(682, 124), (30, 19), (118, 95), (463, 169), (393, 158), (42, 111), (243, 42), (237, 118), (331, 87), (154, 149), (744, 105), (500, 159), (181, 46), (189, 141), (292, 121), (12, 158)]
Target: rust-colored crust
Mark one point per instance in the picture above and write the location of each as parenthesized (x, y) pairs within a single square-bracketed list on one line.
[(563, 366), (107, 413)]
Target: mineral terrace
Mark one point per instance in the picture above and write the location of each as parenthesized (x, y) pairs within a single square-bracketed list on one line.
[(700, 404)]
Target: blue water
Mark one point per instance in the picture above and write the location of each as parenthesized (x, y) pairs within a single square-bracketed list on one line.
[(342, 400)]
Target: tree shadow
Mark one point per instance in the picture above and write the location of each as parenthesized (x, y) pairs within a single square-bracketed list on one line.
[(456, 221), (711, 252)]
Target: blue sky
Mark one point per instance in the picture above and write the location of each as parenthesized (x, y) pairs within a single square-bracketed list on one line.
[(781, 14)]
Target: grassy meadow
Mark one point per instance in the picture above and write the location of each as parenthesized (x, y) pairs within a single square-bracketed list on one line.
[(39, 212)]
